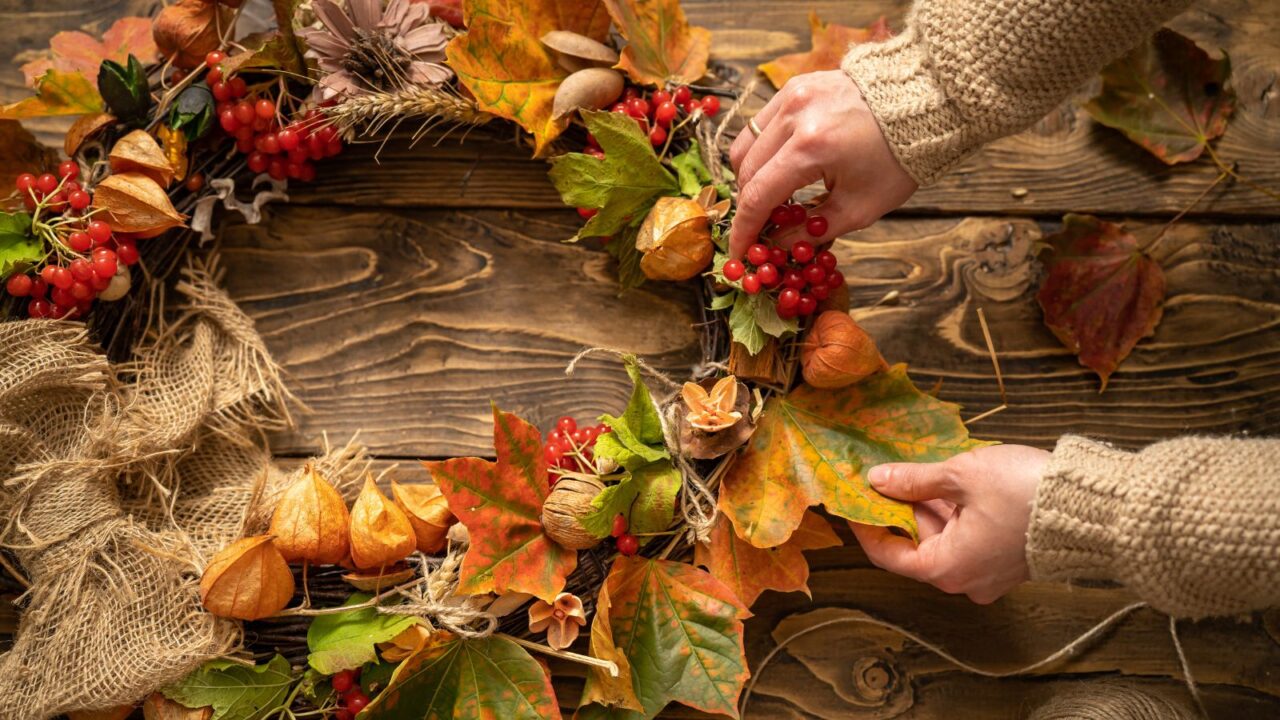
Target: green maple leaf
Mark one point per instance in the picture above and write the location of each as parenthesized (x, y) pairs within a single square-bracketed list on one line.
[(623, 185), (680, 630), (343, 641), (815, 446), (623, 249), (234, 691), (451, 677), (754, 319), (500, 502)]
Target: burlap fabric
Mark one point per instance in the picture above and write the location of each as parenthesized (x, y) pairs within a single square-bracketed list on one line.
[(116, 486)]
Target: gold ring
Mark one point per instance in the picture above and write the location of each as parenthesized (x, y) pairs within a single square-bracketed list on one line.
[(755, 129)]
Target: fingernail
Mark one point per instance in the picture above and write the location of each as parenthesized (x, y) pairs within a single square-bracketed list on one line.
[(879, 475)]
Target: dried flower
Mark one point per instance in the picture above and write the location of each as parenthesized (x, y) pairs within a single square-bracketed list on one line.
[(311, 521), (247, 580), (366, 48), (428, 512), (408, 642), (561, 619), (709, 429), (712, 411), (380, 532)]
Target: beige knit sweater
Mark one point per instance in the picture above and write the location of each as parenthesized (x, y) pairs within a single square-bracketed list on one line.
[(965, 72)]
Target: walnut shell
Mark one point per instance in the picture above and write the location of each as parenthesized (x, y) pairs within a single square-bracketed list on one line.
[(563, 510), (675, 239), (837, 352)]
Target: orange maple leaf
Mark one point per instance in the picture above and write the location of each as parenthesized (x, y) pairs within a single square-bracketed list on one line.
[(661, 46), (74, 51), (749, 570), (830, 43)]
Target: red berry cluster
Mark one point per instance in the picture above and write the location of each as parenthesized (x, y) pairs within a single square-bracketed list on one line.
[(347, 686), (86, 253), (287, 151), (628, 544), (802, 279), (791, 214), (569, 447)]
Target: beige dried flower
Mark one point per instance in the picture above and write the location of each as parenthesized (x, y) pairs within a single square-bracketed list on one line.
[(562, 619)]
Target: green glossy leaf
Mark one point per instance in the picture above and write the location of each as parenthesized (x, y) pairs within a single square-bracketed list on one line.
[(344, 641), (234, 691), (18, 249), (455, 678), (691, 171), (193, 112), (125, 89)]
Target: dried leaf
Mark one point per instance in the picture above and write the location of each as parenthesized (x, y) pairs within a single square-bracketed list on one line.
[(311, 522), (20, 153), (409, 641), (501, 60), (134, 203), (661, 45), (78, 52), (815, 446), (681, 632), (616, 691), (830, 43), (57, 93), (500, 503), (428, 512), (1168, 96), (159, 707), (187, 31), (749, 570), (139, 152), (84, 128), (1101, 294), (247, 580), (712, 411), (381, 534)]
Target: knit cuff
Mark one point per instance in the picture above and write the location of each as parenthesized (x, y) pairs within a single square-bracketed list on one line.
[(927, 133), (1076, 514)]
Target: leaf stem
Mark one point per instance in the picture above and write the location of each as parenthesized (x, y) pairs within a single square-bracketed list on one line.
[(1228, 169), (1221, 176)]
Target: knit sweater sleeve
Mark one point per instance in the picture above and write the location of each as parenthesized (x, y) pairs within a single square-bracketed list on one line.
[(1191, 525), (965, 72)]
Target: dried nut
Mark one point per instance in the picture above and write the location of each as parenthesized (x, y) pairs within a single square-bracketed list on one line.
[(563, 510), (381, 534), (311, 522), (135, 203), (675, 239), (139, 152), (836, 352), (575, 52), (119, 285), (428, 512), (247, 580), (590, 88)]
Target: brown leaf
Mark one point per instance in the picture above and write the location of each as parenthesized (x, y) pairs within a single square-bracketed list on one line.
[(749, 570), (675, 239), (57, 93), (830, 43), (381, 534), (187, 31), (159, 707), (712, 411), (613, 691), (84, 128), (135, 203), (661, 45), (20, 153), (139, 152), (311, 522), (247, 580), (428, 512)]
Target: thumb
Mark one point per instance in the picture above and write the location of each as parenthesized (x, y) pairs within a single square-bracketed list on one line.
[(915, 482)]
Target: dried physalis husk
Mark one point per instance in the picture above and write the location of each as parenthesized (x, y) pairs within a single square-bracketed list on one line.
[(589, 89), (712, 411), (428, 512), (709, 199), (381, 534), (139, 152), (564, 508), (187, 31), (409, 641), (837, 352), (311, 522), (247, 580), (159, 707), (135, 203), (675, 239), (574, 52), (85, 127), (561, 619)]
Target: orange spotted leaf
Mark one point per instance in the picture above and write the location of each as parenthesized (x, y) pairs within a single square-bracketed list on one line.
[(661, 44), (749, 570), (452, 677), (57, 93), (830, 43), (681, 631), (1168, 96), (816, 446), (77, 52), (500, 503), (1101, 294), (501, 60)]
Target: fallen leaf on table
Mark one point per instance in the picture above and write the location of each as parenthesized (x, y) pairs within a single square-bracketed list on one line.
[(1101, 294), (815, 447), (347, 640), (749, 570), (77, 52), (681, 632), (830, 42), (247, 580), (1168, 96), (233, 690), (662, 47), (500, 503), (57, 93)]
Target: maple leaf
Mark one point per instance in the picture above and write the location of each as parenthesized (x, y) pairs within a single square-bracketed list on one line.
[(830, 42), (1168, 96), (623, 185), (501, 60), (452, 677), (749, 570), (681, 632), (501, 505), (604, 688), (661, 45), (815, 446), (1101, 293), (57, 93), (78, 52)]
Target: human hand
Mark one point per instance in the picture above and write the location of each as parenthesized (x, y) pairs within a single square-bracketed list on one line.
[(972, 510), (817, 127)]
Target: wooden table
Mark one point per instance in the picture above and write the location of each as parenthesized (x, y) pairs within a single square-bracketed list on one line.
[(402, 297)]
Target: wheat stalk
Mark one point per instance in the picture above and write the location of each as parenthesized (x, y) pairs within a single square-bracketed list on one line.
[(371, 114)]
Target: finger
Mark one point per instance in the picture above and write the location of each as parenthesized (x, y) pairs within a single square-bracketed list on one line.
[(746, 138), (772, 137), (914, 482), (891, 552), (929, 521), (771, 186)]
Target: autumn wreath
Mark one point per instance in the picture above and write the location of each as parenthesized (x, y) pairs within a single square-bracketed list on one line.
[(315, 592)]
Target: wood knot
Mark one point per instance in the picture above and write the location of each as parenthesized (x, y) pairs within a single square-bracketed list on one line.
[(874, 680)]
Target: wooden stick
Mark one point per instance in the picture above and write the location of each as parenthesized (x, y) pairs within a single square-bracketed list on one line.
[(607, 665), (995, 361)]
